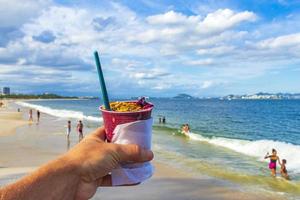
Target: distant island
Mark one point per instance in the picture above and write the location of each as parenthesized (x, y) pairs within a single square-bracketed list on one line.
[(36, 96), (184, 96), (262, 95)]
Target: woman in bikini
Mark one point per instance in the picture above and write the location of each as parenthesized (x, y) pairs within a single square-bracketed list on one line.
[(273, 161)]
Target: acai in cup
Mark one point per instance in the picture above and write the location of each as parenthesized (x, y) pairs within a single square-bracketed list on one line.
[(123, 112)]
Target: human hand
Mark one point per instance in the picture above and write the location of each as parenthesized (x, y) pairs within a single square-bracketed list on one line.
[(267, 155), (93, 159)]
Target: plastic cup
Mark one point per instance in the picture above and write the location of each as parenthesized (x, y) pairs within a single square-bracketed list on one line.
[(112, 118)]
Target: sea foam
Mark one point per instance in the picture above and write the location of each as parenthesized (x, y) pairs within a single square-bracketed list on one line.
[(60, 112), (257, 148)]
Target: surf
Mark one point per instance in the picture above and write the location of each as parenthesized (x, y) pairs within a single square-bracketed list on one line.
[(255, 148), (61, 113), (257, 181)]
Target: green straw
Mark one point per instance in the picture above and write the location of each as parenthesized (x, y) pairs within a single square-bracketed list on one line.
[(102, 82)]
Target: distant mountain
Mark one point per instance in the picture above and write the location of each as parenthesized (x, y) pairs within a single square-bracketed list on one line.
[(183, 96)]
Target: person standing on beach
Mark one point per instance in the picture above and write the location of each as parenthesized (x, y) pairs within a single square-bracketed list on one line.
[(164, 120), (80, 130), (273, 161), (30, 116), (68, 129), (38, 115), (68, 134)]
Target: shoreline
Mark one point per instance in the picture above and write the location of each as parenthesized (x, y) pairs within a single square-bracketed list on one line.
[(30, 146)]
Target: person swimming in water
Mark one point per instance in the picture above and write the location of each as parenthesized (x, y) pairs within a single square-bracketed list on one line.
[(273, 160), (283, 169), (185, 130)]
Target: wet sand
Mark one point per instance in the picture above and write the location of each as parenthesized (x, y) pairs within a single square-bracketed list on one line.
[(169, 183), (26, 146)]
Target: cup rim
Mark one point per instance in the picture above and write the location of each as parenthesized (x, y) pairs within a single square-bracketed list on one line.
[(128, 112)]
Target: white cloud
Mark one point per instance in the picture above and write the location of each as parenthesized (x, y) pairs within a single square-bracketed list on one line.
[(31, 74), (16, 12), (201, 62), (218, 50), (125, 64), (281, 41), (176, 27), (219, 20), (223, 19), (207, 84), (152, 74), (171, 18), (162, 86)]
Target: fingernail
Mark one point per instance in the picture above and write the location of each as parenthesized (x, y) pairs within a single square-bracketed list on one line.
[(149, 154)]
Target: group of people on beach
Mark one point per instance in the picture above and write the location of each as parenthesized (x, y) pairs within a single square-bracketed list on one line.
[(273, 164), (79, 126), (162, 119), (79, 129), (38, 115)]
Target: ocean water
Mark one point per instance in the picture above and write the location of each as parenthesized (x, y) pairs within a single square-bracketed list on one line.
[(228, 139)]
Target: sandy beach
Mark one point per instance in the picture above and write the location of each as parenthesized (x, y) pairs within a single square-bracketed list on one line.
[(9, 120), (25, 146)]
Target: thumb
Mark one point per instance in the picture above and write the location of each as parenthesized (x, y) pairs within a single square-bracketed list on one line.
[(134, 153)]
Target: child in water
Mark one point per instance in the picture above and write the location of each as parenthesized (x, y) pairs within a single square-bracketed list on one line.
[(283, 169)]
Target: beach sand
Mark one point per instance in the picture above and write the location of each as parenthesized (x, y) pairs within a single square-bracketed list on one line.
[(9, 120), (169, 183), (24, 147)]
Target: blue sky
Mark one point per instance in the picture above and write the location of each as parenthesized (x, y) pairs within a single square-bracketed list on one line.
[(151, 48)]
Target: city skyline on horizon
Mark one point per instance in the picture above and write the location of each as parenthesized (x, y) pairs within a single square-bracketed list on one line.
[(151, 48)]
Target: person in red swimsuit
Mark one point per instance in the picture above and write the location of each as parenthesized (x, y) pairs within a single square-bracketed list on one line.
[(273, 160)]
